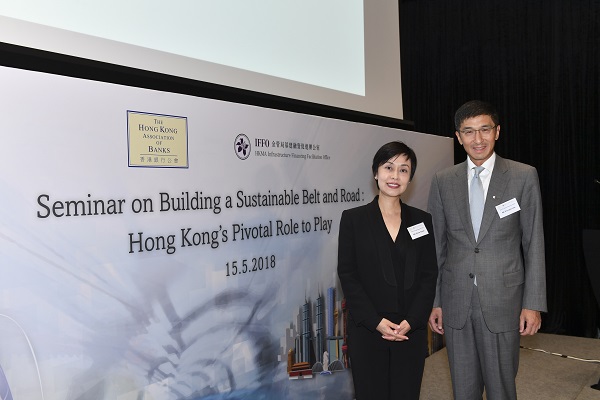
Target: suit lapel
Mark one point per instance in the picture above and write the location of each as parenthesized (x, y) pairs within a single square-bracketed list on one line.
[(461, 196), (381, 238), (408, 220), (498, 182)]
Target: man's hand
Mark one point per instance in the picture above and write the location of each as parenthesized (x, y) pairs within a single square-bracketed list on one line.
[(529, 322), (435, 320)]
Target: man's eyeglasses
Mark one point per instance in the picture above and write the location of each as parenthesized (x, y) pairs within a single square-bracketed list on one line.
[(484, 130)]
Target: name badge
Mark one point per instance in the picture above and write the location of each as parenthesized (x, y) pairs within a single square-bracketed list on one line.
[(418, 230), (507, 208)]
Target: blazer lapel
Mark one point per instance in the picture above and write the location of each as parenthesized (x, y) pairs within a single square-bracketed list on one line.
[(410, 263), (381, 239), (498, 182), (461, 196)]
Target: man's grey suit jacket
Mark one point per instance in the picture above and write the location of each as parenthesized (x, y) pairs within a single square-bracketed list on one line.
[(508, 259)]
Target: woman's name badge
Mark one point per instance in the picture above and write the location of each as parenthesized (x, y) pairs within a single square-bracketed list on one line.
[(418, 230), (507, 208)]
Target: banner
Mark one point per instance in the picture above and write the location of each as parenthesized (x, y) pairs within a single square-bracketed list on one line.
[(161, 246)]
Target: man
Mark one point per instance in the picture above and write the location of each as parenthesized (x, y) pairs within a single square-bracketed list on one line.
[(490, 250)]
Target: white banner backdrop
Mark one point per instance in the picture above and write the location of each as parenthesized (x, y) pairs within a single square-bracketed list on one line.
[(141, 282)]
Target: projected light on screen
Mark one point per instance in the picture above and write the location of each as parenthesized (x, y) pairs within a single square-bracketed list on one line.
[(340, 53), (316, 42)]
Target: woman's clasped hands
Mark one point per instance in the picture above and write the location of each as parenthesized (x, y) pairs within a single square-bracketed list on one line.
[(393, 332)]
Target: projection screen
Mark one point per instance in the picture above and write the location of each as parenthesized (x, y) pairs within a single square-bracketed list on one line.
[(341, 53)]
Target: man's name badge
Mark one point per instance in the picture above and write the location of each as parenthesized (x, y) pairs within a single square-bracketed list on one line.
[(418, 230), (507, 208)]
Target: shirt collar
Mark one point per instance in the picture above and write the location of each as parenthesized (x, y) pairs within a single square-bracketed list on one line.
[(488, 164)]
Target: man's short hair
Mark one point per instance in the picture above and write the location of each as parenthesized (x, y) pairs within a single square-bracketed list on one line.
[(475, 108)]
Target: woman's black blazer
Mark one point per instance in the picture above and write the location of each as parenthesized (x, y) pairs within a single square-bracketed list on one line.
[(366, 272)]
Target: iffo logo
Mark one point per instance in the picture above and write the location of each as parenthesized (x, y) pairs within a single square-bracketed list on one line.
[(241, 146)]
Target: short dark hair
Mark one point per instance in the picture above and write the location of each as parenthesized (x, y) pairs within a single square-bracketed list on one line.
[(475, 108), (391, 149)]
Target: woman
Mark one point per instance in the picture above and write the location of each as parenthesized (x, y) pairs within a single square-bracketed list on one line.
[(388, 270)]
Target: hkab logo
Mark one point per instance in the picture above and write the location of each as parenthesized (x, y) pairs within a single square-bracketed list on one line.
[(241, 146)]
